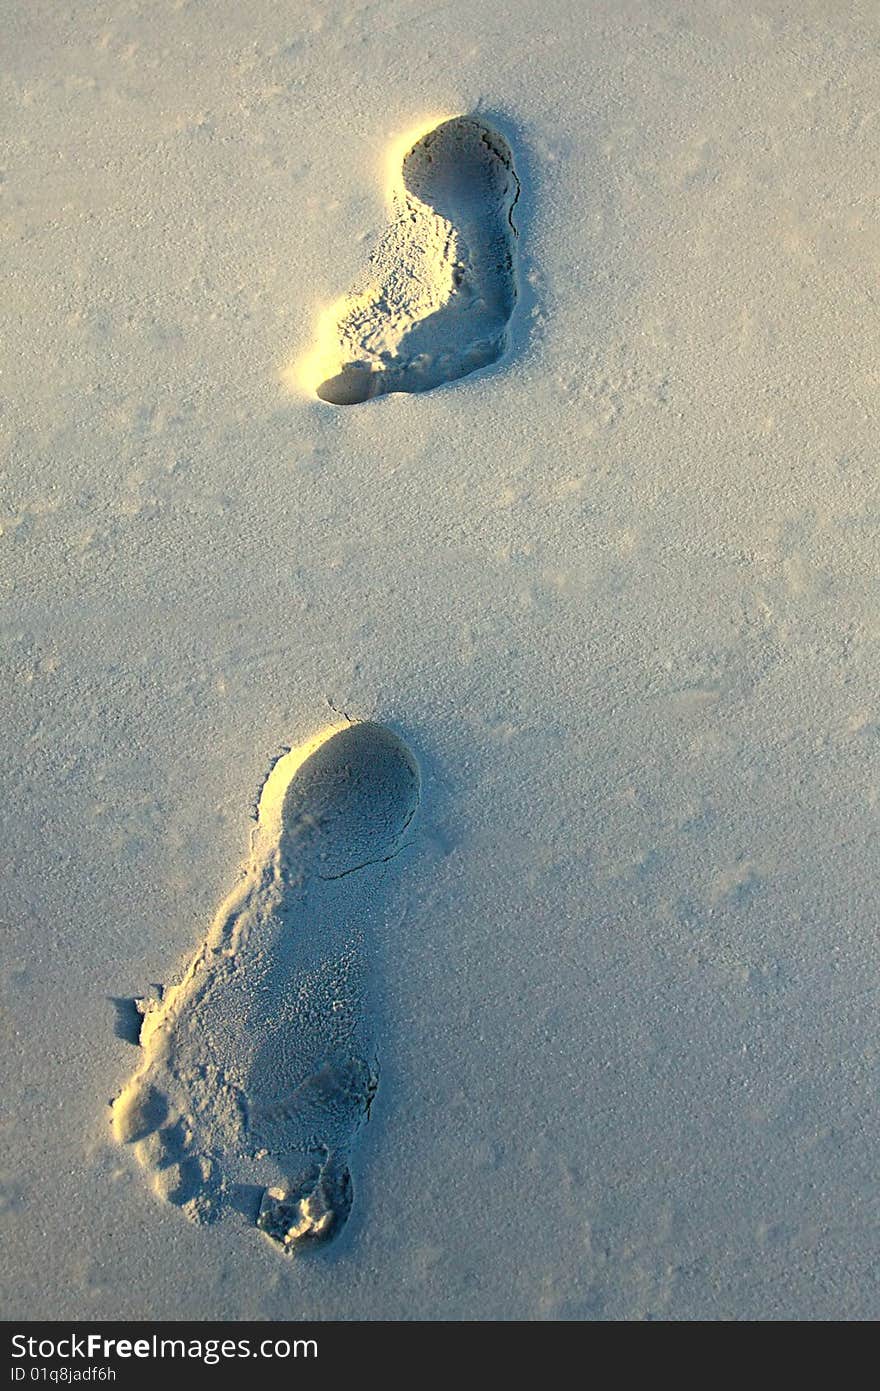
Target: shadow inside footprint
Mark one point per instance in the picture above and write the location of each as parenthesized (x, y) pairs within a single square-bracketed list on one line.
[(350, 802), (442, 285)]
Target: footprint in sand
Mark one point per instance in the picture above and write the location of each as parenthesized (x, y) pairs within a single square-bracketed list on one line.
[(436, 299), (259, 1067)]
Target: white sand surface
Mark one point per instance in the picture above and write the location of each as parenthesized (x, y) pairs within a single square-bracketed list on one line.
[(618, 593)]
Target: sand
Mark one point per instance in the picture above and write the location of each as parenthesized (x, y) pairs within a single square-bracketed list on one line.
[(616, 592)]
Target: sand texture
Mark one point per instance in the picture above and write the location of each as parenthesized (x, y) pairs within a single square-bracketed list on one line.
[(492, 389)]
